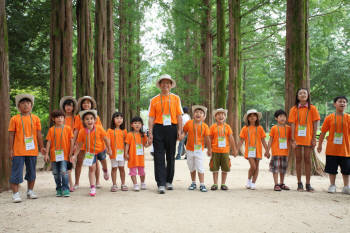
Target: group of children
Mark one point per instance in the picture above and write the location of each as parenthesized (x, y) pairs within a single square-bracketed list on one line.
[(81, 139)]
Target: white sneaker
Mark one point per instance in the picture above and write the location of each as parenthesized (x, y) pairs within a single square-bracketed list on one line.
[(31, 194), (252, 186), (332, 188), (169, 186), (136, 187), (346, 190), (143, 186), (249, 184), (161, 189), (16, 197)]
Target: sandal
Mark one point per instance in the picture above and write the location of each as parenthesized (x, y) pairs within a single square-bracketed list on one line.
[(214, 187), (300, 187), (114, 188), (224, 187), (284, 187), (277, 188), (309, 188), (124, 187)]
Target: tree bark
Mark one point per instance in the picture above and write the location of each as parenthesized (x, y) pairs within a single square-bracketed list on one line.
[(4, 103), (84, 49), (100, 64), (110, 67)]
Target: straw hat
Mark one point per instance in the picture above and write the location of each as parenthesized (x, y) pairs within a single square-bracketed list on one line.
[(220, 110), (251, 111), (82, 113), (64, 98), (167, 77), (93, 101), (20, 97), (204, 109)]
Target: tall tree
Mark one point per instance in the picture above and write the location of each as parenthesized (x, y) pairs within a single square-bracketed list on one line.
[(101, 59), (5, 101), (84, 49), (110, 66), (60, 51)]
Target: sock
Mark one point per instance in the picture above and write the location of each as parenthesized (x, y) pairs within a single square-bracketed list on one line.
[(201, 184), (193, 182)]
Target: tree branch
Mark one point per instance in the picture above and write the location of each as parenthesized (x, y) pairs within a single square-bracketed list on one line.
[(267, 26), (254, 8), (254, 58)]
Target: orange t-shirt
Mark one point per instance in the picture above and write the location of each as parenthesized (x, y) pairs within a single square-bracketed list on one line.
[(202, 131), (329, 125), (69, 121), (253, 132), (19, 148), (284, 132), (160, 102), (117, 138), (214, 133), (312, 116), (53, 135), (84, 137), (135, 160), (78, 123)]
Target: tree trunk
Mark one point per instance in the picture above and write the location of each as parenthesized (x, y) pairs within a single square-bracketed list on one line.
[(234, 89), (296, 71), (110, 68), (4, 103), (84, 49), (60, 51), (220, 100), (101, 59)]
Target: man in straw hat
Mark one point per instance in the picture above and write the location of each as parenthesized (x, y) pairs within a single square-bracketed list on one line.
[(165, 127), (25, 137)]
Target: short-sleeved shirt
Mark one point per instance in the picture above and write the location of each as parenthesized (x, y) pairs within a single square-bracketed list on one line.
[(84, 136), (117, 138), (277, 132), (313, 115), (78, 123), (135, 160), (218, 131), (69, 121), (329, 125), (62, 143), (256, 133), (160, 104), (202, 131), (19, 148)]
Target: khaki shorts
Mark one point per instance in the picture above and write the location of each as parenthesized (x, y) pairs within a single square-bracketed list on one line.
[(220, 160)]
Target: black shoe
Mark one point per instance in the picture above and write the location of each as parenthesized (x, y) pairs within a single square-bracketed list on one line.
[(178, 157)]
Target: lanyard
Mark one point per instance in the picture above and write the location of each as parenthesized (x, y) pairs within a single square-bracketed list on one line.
[(90, 141), (54, 136), (31, 126), (135, 138), (285, 131), (335, 122), (161, 103), (306, 116), (217, 126), (256, 136), (195, 131)]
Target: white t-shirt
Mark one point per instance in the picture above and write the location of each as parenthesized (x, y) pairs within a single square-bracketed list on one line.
[(185, 118)]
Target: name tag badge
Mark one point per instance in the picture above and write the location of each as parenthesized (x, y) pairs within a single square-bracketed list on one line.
[(251, 152), (59, 155), (302, 130), (198, 149), (29, 142), (283, 143), (139, 149), (221, 141), (120, 155), (89, 159), (166, 120), (338, 138)]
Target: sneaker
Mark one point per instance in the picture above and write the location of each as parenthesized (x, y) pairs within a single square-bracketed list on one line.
[(92, 192), (178, 157), (59, 193), (143, 186), (202, 188), (98, 186), (16, 197), (114, 188), (124, 187), (136, 187), (249, 184), (332, 188), (252, 186), (169, 186), (309, 188), (106, 175), (192, 186), (71, 189), (161, 189), (66, 193), (346, 190), (76, 187), (31, 195)]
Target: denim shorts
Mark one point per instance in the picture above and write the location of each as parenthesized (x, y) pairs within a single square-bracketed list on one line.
[(17, 169), (100, 156)]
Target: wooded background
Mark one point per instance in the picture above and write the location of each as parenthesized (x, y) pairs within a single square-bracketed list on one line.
[(235, 54)]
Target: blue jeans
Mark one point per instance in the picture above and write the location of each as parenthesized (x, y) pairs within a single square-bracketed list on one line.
[(181, 146), (60, 173)]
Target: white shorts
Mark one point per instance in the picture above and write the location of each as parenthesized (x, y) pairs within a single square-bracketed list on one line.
[(195, 162), (116, 163)]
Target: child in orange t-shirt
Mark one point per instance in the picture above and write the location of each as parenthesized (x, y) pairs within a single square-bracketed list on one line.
[(253, 136), (134, 152), (197, 133), (303, 118), (222, 141), (117, 135), (24, 139), (60, 144), (338, 144), (279, 143), (93, 139)]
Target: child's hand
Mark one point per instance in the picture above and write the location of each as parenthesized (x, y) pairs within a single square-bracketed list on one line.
[(235, 153), (72, 159), (43, 150), (46, 158), (180, 135), (294, 144), (313, 142), (209, 152), (319, 148), (11, 154), (126, 157), (109, 151)]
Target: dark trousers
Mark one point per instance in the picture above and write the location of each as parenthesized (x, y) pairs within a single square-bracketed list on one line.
[(164, 144)]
